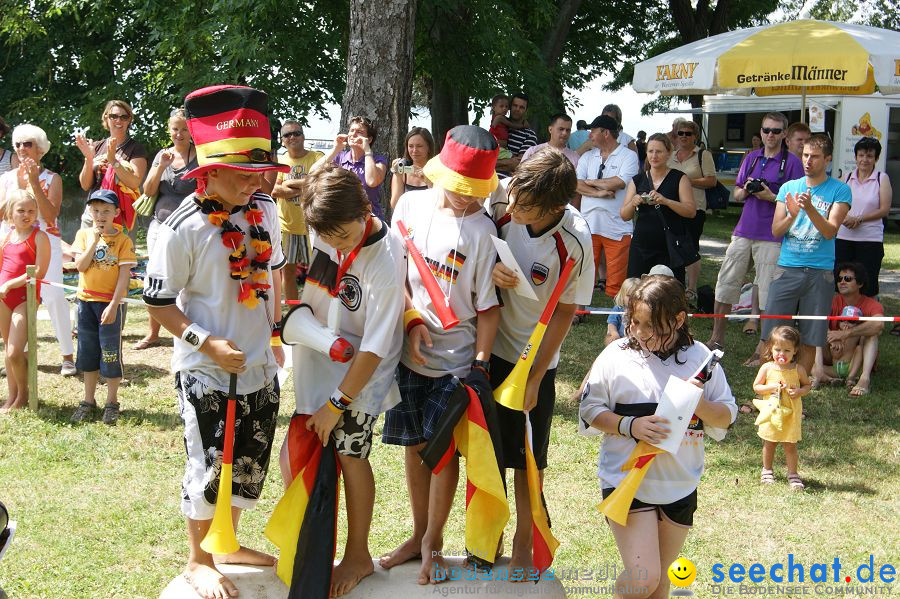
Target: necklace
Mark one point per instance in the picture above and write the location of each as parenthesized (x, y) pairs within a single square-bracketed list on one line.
[(242, 268)]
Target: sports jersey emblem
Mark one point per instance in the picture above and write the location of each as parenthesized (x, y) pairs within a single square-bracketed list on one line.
[(539, 273), (350, 293)]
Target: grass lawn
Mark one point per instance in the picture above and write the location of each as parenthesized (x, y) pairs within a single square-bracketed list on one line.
[(98, 507)]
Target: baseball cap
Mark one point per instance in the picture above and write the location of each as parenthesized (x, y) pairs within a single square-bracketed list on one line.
[(661, 269), (604, 121), (107, 196)]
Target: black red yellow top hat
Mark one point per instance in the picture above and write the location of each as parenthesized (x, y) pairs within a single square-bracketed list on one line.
[(466, 162), (229, 125)]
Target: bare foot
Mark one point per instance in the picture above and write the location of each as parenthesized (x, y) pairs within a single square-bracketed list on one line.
[(349, 572), (409, 550), (520, 562), (208, 582), (247, 556), (434, 569), (752, 361)]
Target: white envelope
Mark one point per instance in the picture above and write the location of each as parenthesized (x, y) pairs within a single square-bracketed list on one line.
[(677, 405), (509, 261)]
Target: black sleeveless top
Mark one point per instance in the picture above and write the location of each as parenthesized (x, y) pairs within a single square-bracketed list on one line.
[(649, 226)]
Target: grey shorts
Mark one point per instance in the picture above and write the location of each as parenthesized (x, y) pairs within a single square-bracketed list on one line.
[(295, 248), (800, 291)]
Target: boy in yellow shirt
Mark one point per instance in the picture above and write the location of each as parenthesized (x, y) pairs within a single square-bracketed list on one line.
[(105, 255)]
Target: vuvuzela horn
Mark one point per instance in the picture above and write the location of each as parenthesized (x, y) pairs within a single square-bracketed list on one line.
[(440, 302), (511, 392), (220, 538)]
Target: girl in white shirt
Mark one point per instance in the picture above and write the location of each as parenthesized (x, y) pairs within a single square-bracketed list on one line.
[(620, 398)]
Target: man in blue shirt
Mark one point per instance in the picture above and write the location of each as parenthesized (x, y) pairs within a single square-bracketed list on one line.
[(808, 214)]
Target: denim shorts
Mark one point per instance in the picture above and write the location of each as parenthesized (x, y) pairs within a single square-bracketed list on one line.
[(99, 345)]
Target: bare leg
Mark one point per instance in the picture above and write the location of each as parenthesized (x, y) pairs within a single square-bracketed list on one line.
[(692, 275), (752, 325), (112, 390), (522, 557), (869, 354), (755, 360), (791, 457), (719, 324), (359, 489), (638, 545), (418, 481), (90, 386), (289, 281), (807, 357), (443, 488), (769, 454), (671, 540), (14, 338), (201, 572)]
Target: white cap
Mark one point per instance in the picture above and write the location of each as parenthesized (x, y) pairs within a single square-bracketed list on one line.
[(661, 269)]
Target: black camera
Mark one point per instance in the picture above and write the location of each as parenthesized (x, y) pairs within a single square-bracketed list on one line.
[(755, 185)]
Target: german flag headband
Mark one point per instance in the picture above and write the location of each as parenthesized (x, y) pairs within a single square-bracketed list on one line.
[(229, 125)]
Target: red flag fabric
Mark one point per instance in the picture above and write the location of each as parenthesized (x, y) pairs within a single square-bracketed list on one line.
[(127, 196)]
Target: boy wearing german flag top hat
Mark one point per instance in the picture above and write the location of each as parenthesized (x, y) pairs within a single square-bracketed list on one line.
[(451, 231), (210, 282), (543, 231)]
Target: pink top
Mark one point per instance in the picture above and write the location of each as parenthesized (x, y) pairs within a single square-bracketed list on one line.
[(15, 257), (866, 198)]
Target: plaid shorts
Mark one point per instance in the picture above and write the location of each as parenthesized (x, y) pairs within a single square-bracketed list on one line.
[(203, 412), (295, 248), (423, 400)]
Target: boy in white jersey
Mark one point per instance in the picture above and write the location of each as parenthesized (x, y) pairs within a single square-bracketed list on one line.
[(534, 217), (449, 227), (355, 261), (213, 282)]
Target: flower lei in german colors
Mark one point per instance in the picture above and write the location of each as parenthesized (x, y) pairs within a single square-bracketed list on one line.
[(243, 268)]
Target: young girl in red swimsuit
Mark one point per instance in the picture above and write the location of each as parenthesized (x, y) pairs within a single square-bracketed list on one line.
[(26, 244)]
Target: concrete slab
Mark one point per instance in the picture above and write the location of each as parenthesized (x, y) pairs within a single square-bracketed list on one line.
[(258, 583)]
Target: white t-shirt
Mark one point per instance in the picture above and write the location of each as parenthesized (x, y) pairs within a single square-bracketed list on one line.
[(602, 214), (189, 268), (371, 319), (541, 259), (624, 139), (622, 379), (460, 252)]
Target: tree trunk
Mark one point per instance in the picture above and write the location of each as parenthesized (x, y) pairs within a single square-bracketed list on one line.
[(380, 69), (449, 99)]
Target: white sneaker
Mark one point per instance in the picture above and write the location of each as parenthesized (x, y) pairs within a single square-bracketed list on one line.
[(68, 368)]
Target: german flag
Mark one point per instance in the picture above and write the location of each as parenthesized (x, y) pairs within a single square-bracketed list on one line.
[(304, 523), (487, 509), (545, 544), (616, 506)]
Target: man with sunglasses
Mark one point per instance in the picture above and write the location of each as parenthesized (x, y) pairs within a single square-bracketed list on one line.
[(294, 239), (759, 179), (603, 174)]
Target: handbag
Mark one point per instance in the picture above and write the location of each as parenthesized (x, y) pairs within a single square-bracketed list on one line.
[(716, 197), (682, 249), (144, 205)]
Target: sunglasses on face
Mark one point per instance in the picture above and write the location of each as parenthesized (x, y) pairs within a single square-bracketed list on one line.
[(118, 117), (685, 133), (24, 144), (846, 278), (255, 155), (773, 131), (290, 134)]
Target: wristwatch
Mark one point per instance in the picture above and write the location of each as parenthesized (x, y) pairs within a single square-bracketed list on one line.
[(484, 365)]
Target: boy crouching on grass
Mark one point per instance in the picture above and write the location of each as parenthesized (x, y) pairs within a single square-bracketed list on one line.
[(104, 257), (450, 228), (357, 262), (213, 282), (534, 217)]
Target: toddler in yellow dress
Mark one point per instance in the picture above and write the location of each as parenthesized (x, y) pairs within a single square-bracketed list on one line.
[(781, 383)]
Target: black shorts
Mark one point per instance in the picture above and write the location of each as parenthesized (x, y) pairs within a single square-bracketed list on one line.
[(679, 512), (512, 422)]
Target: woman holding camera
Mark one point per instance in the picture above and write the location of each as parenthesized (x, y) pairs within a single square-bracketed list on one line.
[(408, 170), (702, 175), (664, 203)]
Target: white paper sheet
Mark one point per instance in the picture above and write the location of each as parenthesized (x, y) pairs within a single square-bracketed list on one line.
[(677, 405), (509, 261)]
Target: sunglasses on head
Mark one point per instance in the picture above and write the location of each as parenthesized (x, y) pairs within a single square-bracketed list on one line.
[(118, 117), (24, 144), (773, 130), (255, 155), (685, 133), (846, 278), (290, 134)]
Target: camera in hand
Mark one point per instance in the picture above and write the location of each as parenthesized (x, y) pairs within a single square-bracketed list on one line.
[(404, 167), (646, 198), (755, 185)]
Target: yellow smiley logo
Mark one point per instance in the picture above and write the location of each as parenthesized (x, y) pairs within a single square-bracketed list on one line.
[(682, 572)]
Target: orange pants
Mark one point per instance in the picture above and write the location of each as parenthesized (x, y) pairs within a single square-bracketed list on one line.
[(616, 260)]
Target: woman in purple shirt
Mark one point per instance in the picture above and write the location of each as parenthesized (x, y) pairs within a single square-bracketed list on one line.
[(359, 158)]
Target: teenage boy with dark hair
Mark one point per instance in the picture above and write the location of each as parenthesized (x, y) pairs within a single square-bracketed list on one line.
[(534, 217)]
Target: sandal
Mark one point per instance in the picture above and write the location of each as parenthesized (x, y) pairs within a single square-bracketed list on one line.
[(767, 477), (147, 343), (751, 327), (852, 381), (795, 482), (858, 391)]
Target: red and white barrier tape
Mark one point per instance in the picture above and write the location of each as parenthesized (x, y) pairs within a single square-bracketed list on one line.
[(606, 311), (127, 300)]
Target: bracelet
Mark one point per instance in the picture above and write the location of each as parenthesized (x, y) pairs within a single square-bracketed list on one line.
[(339, 401), (195, 336), (411, 318)]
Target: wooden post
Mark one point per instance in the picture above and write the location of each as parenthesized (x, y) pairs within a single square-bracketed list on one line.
[(31, 314)]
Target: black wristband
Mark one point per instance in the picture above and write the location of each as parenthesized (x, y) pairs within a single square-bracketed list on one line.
[(483, 364)]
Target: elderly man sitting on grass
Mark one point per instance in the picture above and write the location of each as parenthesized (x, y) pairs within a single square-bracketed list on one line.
[(852, 345)]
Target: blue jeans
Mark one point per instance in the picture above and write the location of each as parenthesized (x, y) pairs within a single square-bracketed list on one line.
[(99, 345)]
